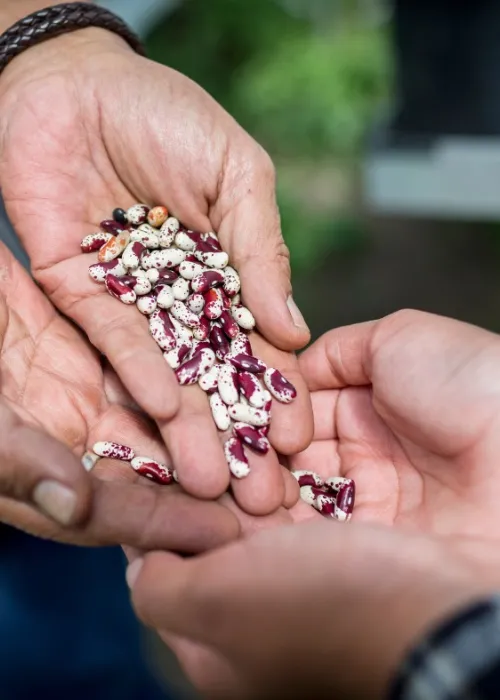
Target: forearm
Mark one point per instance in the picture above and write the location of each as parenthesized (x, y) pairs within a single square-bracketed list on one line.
[(13, 10)]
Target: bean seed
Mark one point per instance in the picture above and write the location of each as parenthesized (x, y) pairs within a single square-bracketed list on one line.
[(180, 289), (247, 363), (120, 290), (113, 450), (210, 380), (94, 242), (189, 372), (114, 247), (89, 460), (232, 283), (280, 388), (257, 417), (165, 296), (228, 384), (120, 216), (251, 437), (219, 410), (137, 214), (236, 458), (151, 469), (146, 304), (213, 304), (243, 317), (157, 216), (252, 389)]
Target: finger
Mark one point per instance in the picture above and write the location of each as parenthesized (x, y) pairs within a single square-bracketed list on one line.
[(121, 334), (250, 230), (195, 448), (139, 516), (339, 358), (250, 524), (292, 490), (37, 469), (292, 424), (263, 490)]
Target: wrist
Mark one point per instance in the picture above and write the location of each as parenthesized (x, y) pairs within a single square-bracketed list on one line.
[(12, 11)]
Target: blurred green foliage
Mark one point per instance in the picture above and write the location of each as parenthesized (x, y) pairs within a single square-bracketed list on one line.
[(306, 90)]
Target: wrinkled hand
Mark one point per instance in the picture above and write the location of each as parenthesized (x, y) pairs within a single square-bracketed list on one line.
[(409, 407), (55, 400), (87, 125)]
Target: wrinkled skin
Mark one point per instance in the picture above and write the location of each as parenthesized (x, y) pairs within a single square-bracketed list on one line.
[(87, 125), (55, 400), (408, 407)]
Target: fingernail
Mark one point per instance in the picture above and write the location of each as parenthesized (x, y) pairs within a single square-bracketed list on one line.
[(297, 318), (133, 571), (57, 501)]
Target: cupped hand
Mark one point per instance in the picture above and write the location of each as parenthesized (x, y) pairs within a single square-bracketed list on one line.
[(55, 401), (409, 408), (87, 125)]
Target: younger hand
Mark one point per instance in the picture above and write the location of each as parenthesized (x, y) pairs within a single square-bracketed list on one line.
[(317, 609)]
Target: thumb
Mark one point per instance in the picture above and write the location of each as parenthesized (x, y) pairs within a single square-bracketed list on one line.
[(38, 470), (250, 230)]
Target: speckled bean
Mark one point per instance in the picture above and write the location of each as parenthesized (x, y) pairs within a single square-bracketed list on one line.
[(236, 458), (113, 450)]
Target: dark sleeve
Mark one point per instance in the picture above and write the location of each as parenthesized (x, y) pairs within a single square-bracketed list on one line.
[(9, 237), (460, 660)]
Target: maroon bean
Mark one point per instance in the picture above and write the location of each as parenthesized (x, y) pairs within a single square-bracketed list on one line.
[(202, 331), (94, 242), (151, 469), (191, 370), (208, 245), (213, 304), (230, 327), (251, 437), (247, 363), (219, 342), (206, 280), (252, 389), (280, 388), (119, 289), (99, 270), (111, 226), (167, 276)]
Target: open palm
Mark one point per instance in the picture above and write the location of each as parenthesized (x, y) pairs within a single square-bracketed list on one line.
[(55, 400), (149, 135), (408, 407)]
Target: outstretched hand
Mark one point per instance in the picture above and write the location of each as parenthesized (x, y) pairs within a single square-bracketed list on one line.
[(87, 125)]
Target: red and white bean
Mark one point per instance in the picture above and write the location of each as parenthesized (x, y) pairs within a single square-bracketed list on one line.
[(180, 279)]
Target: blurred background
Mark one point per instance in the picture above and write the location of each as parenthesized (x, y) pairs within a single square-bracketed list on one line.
[(383, 120)]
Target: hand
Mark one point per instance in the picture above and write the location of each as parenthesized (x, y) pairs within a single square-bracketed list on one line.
[(125, 130), (55, 401), (406, 406), (308, 610), (409, 408)]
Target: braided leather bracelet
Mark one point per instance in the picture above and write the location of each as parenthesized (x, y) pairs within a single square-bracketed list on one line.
[(61, 19)]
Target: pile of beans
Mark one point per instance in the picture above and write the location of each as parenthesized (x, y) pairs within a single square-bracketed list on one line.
[(181, 280), (332, 497)]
